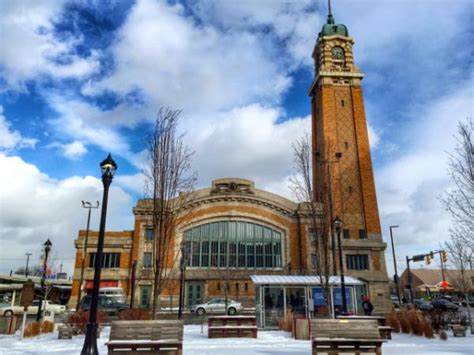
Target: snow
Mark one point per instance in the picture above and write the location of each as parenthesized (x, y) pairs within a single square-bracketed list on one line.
[(268, 342)]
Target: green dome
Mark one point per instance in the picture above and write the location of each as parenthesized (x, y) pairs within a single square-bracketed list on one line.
[(329, 28)]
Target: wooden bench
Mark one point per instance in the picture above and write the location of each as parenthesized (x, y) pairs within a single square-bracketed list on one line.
[(65, 332), (458, 330), (146, 336), (231, 327), (379, 319), (343, 335)]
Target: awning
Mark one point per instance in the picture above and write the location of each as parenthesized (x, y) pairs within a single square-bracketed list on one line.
[(105, 283), (301, 280)]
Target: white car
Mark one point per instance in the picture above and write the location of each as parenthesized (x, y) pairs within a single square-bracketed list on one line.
[(33, 309), (217, 305)]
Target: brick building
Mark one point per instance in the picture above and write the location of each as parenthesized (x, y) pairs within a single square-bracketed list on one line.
[(236, 230)]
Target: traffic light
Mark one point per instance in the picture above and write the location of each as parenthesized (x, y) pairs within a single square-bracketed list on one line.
[(428, 259), (444, 256)]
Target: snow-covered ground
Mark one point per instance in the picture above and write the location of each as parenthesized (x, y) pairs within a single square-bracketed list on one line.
[(268, 342)]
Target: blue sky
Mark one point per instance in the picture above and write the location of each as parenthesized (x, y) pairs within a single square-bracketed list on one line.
[(81, 78)]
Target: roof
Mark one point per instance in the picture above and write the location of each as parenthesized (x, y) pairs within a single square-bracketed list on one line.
[(432, 277), (300, 280)]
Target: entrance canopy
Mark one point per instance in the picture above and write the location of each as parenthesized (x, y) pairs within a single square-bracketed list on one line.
[(301, 280), (302, 296)]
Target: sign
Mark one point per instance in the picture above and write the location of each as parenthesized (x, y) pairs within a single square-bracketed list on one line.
[(27, 293), (338, 296), (419, 257), (318, 297)]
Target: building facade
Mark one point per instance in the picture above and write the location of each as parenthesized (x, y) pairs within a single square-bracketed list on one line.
[(233, 230)]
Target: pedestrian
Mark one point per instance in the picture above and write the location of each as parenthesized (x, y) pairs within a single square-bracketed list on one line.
[(367, 306)]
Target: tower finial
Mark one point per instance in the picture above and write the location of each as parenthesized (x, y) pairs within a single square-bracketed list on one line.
[(330, 20)]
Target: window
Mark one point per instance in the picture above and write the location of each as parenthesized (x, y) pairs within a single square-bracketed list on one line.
[(237, 287), (362, 234), (313, 235), (149, 234), (357, 262), (218, 286), (233, 244), (146, 259), (346, 233), (109, 260), (246, 287), (314, 261)]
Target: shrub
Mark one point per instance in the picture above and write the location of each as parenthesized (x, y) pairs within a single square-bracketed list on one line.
[(32, 329), (286, 323), (79, 320), (47, 327), (392, 321), (443, 335), (415, 322), (135, 314), (427, 328), (404, 322)]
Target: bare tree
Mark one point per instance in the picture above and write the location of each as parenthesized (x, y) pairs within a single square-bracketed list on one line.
[(318, 203), (459, 201), (170, 181), (460, 255)]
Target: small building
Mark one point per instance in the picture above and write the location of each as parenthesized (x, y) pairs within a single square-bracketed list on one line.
[(278, 295), (428, 283), (58, 291)]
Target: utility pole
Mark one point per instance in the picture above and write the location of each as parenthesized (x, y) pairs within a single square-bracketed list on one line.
[(89, 206), (409, 280), (395, 266), (27, 262)]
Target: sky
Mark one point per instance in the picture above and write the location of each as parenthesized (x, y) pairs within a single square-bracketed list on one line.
[(80, 79)]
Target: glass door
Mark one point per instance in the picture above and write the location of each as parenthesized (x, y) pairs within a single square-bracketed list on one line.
[(194, 293)]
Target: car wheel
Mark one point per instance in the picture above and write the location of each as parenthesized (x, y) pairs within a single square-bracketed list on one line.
[(8, 313), (231, 311), (200, 311)]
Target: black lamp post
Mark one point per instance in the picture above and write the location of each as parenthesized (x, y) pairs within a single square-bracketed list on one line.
[(338, 227), (108, 167), (47, 249)]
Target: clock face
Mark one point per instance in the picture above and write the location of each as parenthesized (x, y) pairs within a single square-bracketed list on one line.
[(337, 52)]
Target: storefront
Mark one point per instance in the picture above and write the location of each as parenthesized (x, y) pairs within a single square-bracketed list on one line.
[(303, 296)]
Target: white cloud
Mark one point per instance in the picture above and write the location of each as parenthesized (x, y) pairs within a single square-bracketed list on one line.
[(29, 47), (409, 185), (247, 142), (12, 139), (178, 63), (74, 150), (35, 207)]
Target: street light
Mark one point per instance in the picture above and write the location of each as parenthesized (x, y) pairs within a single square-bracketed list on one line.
[(88, 205), (47, 248), (108, 168), (338, 227), (27, 262), (395, 266)]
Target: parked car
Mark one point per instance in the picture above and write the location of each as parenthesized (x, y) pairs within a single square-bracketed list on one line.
[(113, 292), (33, 309), (422, 305), (395, 302), (217, 305), (444, 305), (107, 304)]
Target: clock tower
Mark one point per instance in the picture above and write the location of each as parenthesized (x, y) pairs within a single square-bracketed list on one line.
[(340, 142)]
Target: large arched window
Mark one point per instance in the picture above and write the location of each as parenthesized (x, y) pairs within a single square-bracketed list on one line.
[(232, 244)]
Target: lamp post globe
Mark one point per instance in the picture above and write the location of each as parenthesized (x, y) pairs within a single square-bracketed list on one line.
[(338, 227), (108, 168)]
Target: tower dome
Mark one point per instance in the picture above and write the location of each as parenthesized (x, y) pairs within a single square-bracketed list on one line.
[(330, 28)]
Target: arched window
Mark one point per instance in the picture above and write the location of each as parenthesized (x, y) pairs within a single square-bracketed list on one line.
[(234, 244)]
